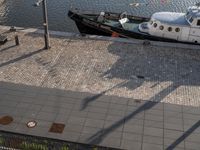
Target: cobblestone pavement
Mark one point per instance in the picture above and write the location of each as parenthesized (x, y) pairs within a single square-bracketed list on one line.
[(127, 70)]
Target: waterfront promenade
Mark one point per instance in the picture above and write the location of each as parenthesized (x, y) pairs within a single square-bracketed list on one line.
[(110, 92)]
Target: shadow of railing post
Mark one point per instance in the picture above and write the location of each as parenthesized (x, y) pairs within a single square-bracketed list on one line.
[(184, 136), (98, 136)]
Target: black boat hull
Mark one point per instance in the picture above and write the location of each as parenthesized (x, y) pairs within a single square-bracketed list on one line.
[(87, 26)]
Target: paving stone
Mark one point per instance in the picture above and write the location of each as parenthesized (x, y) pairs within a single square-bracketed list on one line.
[(170, 107), (147, 146), (190, 116), (118, 113), (132, 136), (111, 142), (97, 116), (173, 120), (114, 134), (193, 137), (117, 106), (153, 140), (172, 134), (154, 117), (169, 114), (154, 112), (46, 116), (38, 131), (173, 143), (117, 126), (97, 123), (23, 105), (76, 120), (56, 109), (19, 112), (97, 110), (77, 113), (133, 129), (153, 131), (30, 114), (130, 145), (134, 121), (99, 104), (62, 118), (119, 100), (8, 103), (5, 110), (170, 126), (135, 115), (114, 118), (90, 130), (192, 145), (155, 124), (73, 128), (71, 136)]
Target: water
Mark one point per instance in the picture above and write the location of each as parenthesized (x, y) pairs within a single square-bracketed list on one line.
[(22, 13)]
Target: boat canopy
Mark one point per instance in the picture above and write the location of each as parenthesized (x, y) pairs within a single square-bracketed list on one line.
[(170, 18)]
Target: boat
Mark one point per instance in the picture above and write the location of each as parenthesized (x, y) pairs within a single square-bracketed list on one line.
[(161, 26)]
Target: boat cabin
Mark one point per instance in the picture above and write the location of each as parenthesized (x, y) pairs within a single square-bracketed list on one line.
[(183, 27)]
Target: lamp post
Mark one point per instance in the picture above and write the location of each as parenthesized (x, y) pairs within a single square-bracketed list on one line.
[(45, 24)]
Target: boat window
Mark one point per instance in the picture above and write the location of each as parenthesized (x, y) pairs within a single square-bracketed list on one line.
[(155, 25), (161, 27), (170, 29), (198, 22), (177, 29), (191, 20)]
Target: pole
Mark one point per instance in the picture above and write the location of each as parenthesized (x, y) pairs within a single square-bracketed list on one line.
[(46, 28)]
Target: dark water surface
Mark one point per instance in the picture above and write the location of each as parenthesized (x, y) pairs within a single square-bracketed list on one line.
[(22, 13)]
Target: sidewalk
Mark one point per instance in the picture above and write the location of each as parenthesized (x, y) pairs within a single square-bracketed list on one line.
[(101, 120)]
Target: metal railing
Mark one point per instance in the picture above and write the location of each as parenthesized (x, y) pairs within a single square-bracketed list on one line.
[(15, 141)]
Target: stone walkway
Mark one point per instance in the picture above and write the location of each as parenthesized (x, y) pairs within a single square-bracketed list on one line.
[(101, 120), (115, 68)]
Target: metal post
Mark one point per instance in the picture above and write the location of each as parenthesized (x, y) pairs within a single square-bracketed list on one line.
[(46, 28), (16, 40)]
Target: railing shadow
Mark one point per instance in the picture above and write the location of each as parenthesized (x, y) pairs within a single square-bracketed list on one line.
[(21, 57), (100, 135), (7, 48), (184, 136), (90, 99)]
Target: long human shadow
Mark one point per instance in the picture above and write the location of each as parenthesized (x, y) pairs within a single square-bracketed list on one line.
[(90, 99), (101, 134), (21, 57), (184, 136)]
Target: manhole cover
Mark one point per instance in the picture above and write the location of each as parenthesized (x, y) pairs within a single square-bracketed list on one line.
[(31, 124), (6, 120), (57, 128)]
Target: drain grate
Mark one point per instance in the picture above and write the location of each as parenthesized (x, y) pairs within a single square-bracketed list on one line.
[(5, 120), (57, 128)]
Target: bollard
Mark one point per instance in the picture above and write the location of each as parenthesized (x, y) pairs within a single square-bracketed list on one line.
[(16, 40)]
